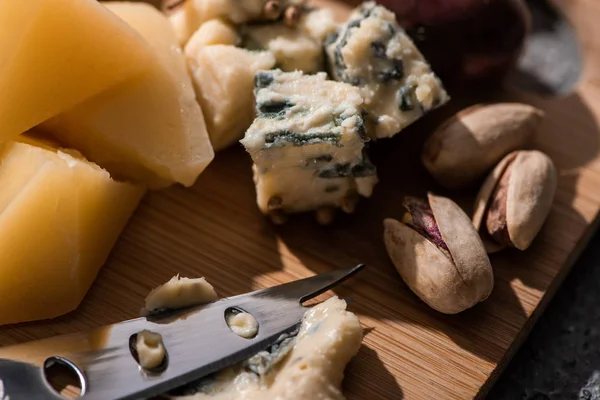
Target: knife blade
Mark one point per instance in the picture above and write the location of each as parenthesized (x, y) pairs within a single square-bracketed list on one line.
[(197, 340)]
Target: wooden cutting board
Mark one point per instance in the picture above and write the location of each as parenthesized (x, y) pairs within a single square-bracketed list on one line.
[(409, 351)]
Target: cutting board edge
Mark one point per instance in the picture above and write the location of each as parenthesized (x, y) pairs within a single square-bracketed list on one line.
[(574, 256)]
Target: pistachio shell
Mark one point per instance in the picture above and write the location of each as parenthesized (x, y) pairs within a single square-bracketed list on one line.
[(448, 285), (467, 145), (427, 271), (482, 200), (531, 191), (465, 245)]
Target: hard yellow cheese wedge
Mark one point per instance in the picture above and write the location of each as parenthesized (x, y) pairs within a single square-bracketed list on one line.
[(149, 129), (59, 219), (57, 53)]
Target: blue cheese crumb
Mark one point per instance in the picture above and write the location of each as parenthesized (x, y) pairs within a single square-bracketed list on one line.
[(372, 52), (298, 47), (308, 143)]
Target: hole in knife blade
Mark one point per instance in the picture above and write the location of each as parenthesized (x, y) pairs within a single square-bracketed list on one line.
[(241, 323), (64, 377), (149, 351)]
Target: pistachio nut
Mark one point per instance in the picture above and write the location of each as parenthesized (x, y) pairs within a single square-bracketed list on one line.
[(515, 200), (439, 254), (468, 145)]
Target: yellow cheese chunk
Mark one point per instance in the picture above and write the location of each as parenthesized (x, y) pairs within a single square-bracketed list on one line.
[(215, 31), (59, 219), (223, 77), (149, 129), (188, 18), (194, 13), (57, 53)]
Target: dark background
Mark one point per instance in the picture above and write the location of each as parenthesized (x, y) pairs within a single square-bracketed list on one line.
[(561, 357)]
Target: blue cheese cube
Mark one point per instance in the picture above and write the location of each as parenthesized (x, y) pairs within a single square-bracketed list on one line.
[(372, 52), (298, 47), (293, 49), (308, 144)]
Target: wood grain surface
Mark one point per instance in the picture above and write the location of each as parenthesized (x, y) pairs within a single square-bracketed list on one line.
[(409, 351)]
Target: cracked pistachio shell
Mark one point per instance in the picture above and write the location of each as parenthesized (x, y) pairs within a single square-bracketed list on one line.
[(468, 145), (530, 194), (448, 285)]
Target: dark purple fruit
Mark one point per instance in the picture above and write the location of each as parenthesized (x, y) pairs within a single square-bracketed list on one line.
[(467, 42)]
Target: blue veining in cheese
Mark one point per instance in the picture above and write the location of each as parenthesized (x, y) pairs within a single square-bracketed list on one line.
[(298, 47), (308, 143), (372, 52)]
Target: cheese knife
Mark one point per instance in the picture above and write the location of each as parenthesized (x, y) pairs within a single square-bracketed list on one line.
[(197, 340)]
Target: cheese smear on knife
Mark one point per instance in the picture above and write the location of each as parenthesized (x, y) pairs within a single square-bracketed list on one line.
[(60, 216), (57, 53), (306, 365), (178, 293), (149, 129)]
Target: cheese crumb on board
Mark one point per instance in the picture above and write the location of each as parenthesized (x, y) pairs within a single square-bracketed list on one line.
[(150, 349), (178, 293), (306, 366), (308, 144), (223, 77), (56, 54), (77, 211), (372, 52), (188, 18), (150, 129)]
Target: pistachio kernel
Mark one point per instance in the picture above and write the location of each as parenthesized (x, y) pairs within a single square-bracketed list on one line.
[(496, 216), (419, 217)]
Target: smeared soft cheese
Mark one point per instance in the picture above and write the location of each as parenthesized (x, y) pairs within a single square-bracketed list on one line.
[(150, 349), (242, 324), (150, 129), (56, 54), (178, 293), (306, 367)]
